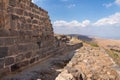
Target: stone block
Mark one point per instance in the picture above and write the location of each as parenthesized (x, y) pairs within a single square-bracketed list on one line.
[(11, 41), (19, 65), (28, 32), (26, 13), (1, 41), (20, 57), (22, 19), (22, 48), (7, 41), (25, 32), (24, 63), (36, 16), (1, 63), (31, 15), (32, 60), (9, 61), (10, 9), (12, 3), (40, 54), (4, 71), (35, 22), (14, 17), (15, 67), (1, 6), (4, 33), (28, 55), (28, 7), (14, 33), (22, 39), (19, 26), (32, 5), (25, 47), (3, 52), (35, 47), (13, 50), (28, 20)]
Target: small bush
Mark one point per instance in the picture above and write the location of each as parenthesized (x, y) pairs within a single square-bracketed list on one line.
[(94, 44), (115, 55)]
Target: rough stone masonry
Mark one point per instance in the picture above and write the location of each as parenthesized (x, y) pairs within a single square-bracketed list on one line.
[(26, 35)]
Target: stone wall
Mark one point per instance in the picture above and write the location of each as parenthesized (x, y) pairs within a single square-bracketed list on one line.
[(26, 34)]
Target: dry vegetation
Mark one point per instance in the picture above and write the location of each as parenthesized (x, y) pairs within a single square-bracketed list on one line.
[(112, 47), (115, 56)]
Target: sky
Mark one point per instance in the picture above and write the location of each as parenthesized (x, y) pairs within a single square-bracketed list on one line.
[(99, 18)]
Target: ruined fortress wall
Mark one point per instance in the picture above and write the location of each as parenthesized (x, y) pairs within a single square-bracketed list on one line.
[(26, 34)]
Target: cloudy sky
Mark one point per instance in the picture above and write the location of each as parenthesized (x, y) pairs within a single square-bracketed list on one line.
[(100, 18)]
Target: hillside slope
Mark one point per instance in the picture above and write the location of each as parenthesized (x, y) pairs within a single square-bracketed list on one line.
[(90, 63)]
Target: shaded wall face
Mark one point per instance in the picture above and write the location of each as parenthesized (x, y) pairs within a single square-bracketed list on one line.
[(25, 33)]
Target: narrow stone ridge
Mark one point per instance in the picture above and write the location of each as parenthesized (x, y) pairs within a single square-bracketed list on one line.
[(89, 63), (26, 35)]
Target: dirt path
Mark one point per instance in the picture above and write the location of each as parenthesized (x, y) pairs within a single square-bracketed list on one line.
[(90, 63)]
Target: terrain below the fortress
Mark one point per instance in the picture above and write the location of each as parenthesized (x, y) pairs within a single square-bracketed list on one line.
[(87, 63)]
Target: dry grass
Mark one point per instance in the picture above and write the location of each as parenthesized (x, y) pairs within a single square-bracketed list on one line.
[(113, 53), (92, 43), (107, 42)]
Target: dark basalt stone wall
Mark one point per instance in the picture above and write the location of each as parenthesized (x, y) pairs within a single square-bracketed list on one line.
[(26, 34)]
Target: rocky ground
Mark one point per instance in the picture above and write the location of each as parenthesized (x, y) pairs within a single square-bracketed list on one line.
[(90, 63)]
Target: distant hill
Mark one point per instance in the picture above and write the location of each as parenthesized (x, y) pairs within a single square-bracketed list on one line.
[(82, 37)]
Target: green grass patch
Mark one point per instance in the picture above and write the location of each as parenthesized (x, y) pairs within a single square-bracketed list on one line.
[(94, 44), (114, 55)]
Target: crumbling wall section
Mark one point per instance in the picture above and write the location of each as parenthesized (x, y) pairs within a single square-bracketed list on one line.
[(26, 34)]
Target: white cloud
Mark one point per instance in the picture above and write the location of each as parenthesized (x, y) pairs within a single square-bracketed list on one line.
[(108, 5), (109, 21), (117, 2), (64, 0), (107, 27), (74, 23), (113, 20), (71, 5)]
